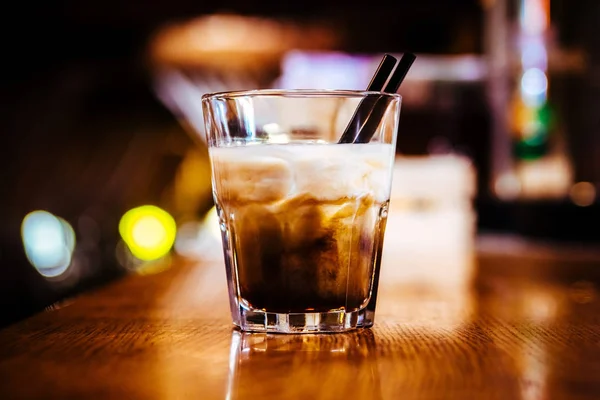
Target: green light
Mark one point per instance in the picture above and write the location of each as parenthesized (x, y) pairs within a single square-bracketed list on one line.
[(544, 115)]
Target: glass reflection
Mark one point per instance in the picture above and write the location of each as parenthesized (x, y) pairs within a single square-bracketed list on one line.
[(340, 366)]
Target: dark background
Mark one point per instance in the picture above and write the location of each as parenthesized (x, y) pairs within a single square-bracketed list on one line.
[(84, 134)]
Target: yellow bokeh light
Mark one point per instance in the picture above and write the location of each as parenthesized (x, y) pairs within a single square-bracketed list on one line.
[(148, 231)]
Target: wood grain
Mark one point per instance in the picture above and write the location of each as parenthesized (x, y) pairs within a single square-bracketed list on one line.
[(168, 336)]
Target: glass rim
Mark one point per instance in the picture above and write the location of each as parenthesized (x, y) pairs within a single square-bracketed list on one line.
[(297, 93)]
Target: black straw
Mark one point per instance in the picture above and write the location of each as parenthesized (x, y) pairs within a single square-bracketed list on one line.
[(385, 68), (400, 73), (370, 112)]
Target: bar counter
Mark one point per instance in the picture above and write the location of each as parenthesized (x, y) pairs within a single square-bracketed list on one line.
[(526, 325)]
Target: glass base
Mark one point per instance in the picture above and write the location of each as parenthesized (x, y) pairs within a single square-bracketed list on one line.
[(318, 322)]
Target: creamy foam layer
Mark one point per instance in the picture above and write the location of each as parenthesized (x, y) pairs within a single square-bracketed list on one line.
[(325, 172)]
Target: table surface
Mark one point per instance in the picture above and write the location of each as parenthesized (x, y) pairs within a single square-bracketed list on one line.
[(519, 327)]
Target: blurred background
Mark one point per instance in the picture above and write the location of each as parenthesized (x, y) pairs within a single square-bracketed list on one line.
[(105, 171)]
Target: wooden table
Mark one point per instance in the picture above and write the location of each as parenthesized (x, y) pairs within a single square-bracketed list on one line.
[(527, 328)]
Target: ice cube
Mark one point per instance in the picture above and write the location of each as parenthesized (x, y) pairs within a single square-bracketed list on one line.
[(240, 178)]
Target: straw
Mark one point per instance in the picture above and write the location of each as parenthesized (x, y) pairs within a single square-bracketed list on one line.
[(385, 68), (399, 74), (373, 110)]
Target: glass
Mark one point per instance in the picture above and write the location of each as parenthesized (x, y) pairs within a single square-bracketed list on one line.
[(302, 217)]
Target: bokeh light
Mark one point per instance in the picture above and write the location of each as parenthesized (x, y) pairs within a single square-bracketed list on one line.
[(583, 194), (212, 223), (534, 85), (201, 239), (148, 231), (48, 241)]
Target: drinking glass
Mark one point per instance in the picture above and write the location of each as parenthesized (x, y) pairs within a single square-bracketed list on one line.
[(302, 215)]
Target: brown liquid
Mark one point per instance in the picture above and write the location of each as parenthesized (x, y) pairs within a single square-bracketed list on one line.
[(304, 255)]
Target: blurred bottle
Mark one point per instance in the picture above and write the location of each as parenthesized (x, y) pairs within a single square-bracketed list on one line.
[(539, 178), (531, 160)]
